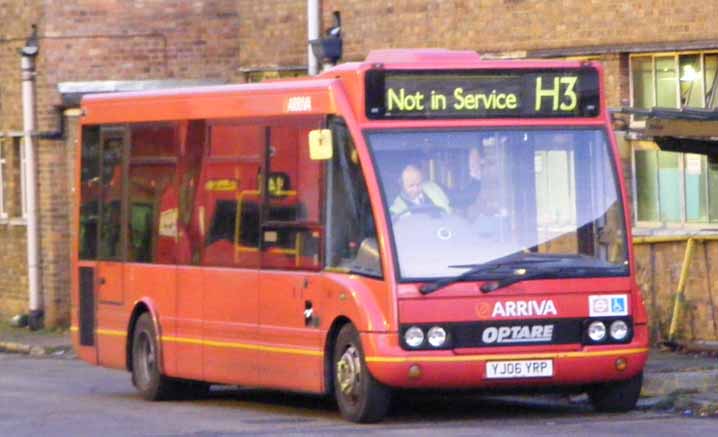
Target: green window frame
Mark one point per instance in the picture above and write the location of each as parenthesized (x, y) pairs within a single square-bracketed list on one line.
[(673, 188), (674, 80)]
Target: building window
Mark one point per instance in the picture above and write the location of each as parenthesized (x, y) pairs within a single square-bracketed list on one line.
[(12, 180), (3, 184), (674, 80), (672, 187), (675, 188), (23, 184)]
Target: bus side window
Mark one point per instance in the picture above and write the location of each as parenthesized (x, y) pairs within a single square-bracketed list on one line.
[(292, 231), (152, 190), (189, 167), (351, 234), (89, 192), (230, 196)]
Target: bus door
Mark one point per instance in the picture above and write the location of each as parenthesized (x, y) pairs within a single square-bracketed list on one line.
[(111, 210), (291, 235), (228, 208), (111, 233)]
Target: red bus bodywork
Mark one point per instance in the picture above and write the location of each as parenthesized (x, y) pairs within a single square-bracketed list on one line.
[(244, 326)]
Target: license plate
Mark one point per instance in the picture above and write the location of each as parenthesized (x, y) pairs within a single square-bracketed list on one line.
[(519, 369)]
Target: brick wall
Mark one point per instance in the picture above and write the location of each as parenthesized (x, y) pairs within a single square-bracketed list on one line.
[(273, 33), (83, 40), (13, 279), (54, 216), (15, 19), (507, 25), (135, 40)]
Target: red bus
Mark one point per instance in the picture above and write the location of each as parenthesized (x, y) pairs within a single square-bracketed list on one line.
[(422, 219)]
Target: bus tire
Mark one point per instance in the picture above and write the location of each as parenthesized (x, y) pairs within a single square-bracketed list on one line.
[(360, 397), (618, 396), (146, 376)]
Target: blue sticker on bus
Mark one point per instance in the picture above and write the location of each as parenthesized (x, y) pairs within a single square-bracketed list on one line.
[(608, 305)]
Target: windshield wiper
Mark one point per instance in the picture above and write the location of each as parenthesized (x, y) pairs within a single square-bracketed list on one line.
[(514, 260), (519, 275), (519, 263)]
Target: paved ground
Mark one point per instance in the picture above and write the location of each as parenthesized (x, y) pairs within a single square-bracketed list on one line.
[(66, 397), (41, 342), (666, 362), (676, 383)]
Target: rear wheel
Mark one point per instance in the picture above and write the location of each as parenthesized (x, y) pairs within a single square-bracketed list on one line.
[(618, 396), (360, 397), (146, 375)]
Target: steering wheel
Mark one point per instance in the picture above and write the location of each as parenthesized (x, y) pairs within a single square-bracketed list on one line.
[(427, 209)]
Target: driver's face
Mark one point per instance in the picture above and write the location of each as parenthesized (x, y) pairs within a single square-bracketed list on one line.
[(411, 181)]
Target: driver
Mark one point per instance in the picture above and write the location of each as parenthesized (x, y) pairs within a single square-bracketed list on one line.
[(416, 193)]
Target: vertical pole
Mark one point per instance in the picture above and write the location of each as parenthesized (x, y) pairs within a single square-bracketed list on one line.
[(654, 300), (680, 298), (312, 33), (28, 117)]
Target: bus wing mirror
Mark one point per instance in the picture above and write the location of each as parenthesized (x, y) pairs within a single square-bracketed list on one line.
[(320, 145)]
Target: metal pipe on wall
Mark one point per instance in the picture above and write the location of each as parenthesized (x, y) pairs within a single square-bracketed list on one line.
[(33, 254), (313, 18)]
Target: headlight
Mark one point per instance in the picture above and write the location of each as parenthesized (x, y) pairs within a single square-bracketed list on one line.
[(436, 336), (597, 331), (619, 330), (414, 336)]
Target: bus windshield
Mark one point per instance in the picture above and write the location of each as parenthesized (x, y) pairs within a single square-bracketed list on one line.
[(464, 197)]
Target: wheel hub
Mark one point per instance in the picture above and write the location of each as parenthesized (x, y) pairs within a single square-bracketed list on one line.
[(146, 358), (349, 372)]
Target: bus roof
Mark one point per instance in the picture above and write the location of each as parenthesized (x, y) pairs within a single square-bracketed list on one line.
[(310, 95), (306, 96)]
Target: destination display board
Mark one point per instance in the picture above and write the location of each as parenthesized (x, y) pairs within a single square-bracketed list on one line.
[(427, 94)]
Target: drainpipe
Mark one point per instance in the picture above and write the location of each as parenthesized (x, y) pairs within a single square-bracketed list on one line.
[(29, 52), (313, 11)]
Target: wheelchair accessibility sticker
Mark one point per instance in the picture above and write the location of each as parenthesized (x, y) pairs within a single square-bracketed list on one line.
[(608, 305)]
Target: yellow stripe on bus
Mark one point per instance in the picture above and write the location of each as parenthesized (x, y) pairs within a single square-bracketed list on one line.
[(111, 332), (493, 357), (233, 345), (221, 344)]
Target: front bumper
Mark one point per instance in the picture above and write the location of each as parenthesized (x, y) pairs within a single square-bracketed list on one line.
[(573, 365)]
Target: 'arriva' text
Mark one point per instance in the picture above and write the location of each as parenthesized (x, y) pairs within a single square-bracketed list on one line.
[(524, 308)]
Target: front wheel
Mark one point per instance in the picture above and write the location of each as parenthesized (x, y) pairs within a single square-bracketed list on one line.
[(360, 397), (616, 397)]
